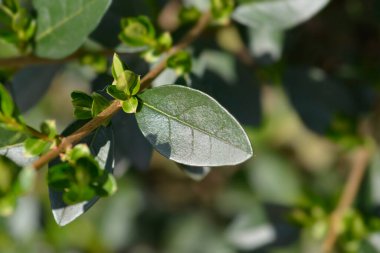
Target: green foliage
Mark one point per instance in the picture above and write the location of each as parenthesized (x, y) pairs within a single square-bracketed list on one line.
[(180, 62), (86, 106), (80, 177), (63, 26), (9, 115), (137, 31), (140, 32), (222, 9), (189, 14), (192, 129)]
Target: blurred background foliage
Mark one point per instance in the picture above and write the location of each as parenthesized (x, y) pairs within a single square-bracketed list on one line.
[(306, 97)]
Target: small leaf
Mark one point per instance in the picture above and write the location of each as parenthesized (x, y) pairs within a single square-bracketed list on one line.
[(137, 31), (189, 14), (35, 147), (222, 9), (108, 187), (82, 103), (130, 105), (49, 128), (114, 92), (129, 82), (99, 103), (180, 62), (118, 66), (63, 26), (6, 103), (189, 127)]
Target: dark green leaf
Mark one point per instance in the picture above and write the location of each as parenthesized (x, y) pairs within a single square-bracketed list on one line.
[(63, 25), (60, 176), (82, 103), (189, 127), (113, 91), (27, 91), (99, 103)]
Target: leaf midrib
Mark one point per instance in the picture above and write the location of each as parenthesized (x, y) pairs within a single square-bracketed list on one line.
[(63, 21), (191, 126)]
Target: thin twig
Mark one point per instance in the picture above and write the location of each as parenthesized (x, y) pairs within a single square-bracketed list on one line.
[(30, 59), (359, 166), (116, 105)]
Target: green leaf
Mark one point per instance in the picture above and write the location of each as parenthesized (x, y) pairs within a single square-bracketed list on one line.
[(189, 14), (60, 176), (180, 62), (8, 49), (99, 103), (108, 186), (129, 82), (114, 92), (137, 31), (6, 103), (130, 105), (63, 25), (82, 103), (282, 14), (190, 127), (35, 147), (49, 128), (9, 138), (118, 66), (222, 9)]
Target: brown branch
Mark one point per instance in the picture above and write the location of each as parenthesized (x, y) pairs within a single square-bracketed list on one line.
[(116, 105), (359, 166), (31, 59)]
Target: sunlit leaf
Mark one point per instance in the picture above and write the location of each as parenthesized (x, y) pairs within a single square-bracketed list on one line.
[(189, 127)]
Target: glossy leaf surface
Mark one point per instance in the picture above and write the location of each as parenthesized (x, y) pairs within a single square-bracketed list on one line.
[(189, 127)]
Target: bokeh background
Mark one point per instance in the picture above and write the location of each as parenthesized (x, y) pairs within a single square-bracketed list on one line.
[(307, 101)]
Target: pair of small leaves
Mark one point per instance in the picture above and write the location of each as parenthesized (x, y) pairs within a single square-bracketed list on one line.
[(140, 32), (86, 106), (35, 146), (80, 178), (125, 86)]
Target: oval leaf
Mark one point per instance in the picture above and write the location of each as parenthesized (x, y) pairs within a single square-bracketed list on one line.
[(190, 127), (101, 146), (63, 25), (282, 14)]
